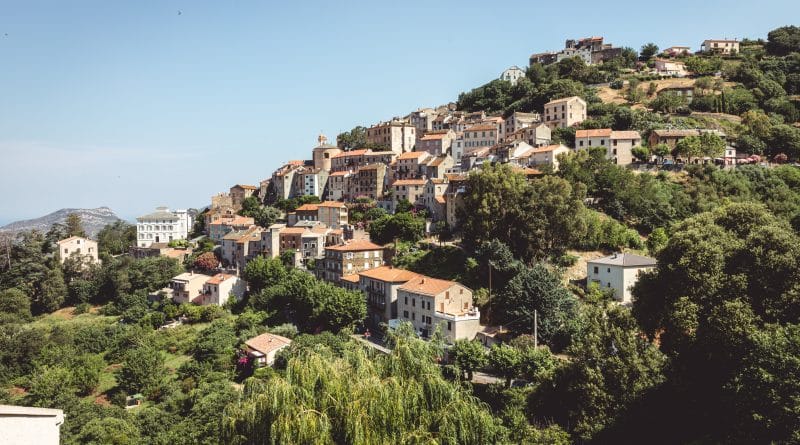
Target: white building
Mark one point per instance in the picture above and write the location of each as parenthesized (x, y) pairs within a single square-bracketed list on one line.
[(512, 74), (162, 226), (22, 425), (428, 302), (619, 272), (566, 112), (618, 145)]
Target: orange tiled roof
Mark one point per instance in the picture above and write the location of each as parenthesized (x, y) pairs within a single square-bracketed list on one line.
[(345, 154), (625, 135), (389, 274), (413, 155), (481, 127), (266, 343), (547, 148), (352, 278), (427, 285), (433, 136), (331, 204), (219, 278), (342, 173), (409, 182), (597, 133), (245, 186), (307, 208), (293, 231), (354, 246)]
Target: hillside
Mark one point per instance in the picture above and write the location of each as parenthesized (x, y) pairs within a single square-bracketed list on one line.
[(93, 220)]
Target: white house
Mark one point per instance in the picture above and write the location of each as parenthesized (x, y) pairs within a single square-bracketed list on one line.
[(512, 74), (619, 272), (84, 248), (22, 425), (162, 226), (262, 349)]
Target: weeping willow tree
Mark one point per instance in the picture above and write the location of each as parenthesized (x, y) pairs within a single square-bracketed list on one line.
[(359, 398)]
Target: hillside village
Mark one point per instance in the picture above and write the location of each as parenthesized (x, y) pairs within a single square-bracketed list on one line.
[(551, 252)]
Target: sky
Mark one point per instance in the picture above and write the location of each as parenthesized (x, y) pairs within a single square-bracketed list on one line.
[(138, 104)]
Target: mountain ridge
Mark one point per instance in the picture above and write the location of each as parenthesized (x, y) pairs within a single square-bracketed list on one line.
[(93, 220)]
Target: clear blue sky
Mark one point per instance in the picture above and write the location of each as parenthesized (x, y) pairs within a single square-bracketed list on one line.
[(133, 105)]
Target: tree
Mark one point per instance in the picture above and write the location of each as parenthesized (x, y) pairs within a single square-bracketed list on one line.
[(667, 102), (50, 386), (689, 146), (662, 150), (14, 306), (206, 261), (116, 238), (52, 291), (657, 240), (648, 50), (468, 356), (784, 40), (711, 145), (108, 431), (215, 345), (505, 361), (355, 138), (73, 226), (86, 370), (403, 226), (142, 370), (262, 272), (703, 66), (535, 289)]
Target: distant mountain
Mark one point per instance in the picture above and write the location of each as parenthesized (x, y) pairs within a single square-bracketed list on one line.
[(93, 220)]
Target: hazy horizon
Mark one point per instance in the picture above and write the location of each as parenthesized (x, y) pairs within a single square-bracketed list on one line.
[(132, 106)]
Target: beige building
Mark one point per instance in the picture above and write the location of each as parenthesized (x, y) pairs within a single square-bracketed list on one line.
[(338, 183), (323, 153), (428, 302), (411, 164), (566, 112), (666, 67), (434, 198), (186, 287), (438, 166), (332, 213), (720, 46), (380, 289), (619, 272), (263, 348), (79, 247), (408, 189), (350, 258), (22, 425), (512, 74), (537, 156), (518, 120), (617, 144), (368, 181), (481, 135), (283, 179), (271, 240), (239, 193), (240, 246), (436, 142), (396, 135), (223, 226), (220, 288)]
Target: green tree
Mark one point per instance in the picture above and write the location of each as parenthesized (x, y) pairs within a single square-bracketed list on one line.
[(662, 150), (648, 50), (86, 370), (142, 371), (14, 306), (667, 102), (657, 240), (355, 138), (403, 226), (535, 289), (108, 431), (50, 386), (216, 345), (468, 356), (74, 226), (116, 238), (52, 291), (784, 40), (505, 361), (262, 272)]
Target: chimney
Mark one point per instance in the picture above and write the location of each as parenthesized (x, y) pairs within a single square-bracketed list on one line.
[(615, 256), (422, 281)]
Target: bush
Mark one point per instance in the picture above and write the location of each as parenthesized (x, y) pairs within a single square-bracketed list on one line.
[(617, 84), (565, 260)]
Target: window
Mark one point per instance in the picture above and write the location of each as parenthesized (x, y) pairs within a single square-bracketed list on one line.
[(602, 142), (406, 300), (405, 314), (608, 270), (413, 316), (596, 269), (580, 144), (449, 326), (413, 302)]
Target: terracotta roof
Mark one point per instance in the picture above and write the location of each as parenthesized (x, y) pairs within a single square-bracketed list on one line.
[(427, 285), (371, 167), (66, 240), (440, 199), (245, 186), (266, 343), (409, 182), (547, 148), (307, 208), (413, 154), (564, 99), (625, 135), (354, 246), (481, 127), (342, 173), (352, 278), (331, 204), (295, 162), (293, 230), (675, 133), (350, 153), (438, 180), (389, 274), (219, 278), (600, 132), (437, 161), (455, 176), (433, 136)]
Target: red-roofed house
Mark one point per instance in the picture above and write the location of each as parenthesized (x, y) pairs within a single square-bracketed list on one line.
[(429, 302), (436, 142), (349, 258), (262, 349), (398, 136), (407, 189), (219, 288), (380, 289), (617, 144), (332, 213)]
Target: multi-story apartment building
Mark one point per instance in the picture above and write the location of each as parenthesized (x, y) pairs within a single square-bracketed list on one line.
[(240, 246), (380, 289), (422, 119), (368, 181), (350, 258), (162, 226), (271, 240), (428, 302), (566, 112), (220, 288), (332, 213), (617, 144), (283, 179), (411, 164), (481, 135), (223, 226), (240, 192), (438, 166), (338, 183), (407, 189), (78, 247), (436, 142), (397, 135), (518, 120), (314, 181), (433, 198), (672, 136)]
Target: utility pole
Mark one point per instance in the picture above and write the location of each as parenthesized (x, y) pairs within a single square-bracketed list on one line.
[(535, 329)]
